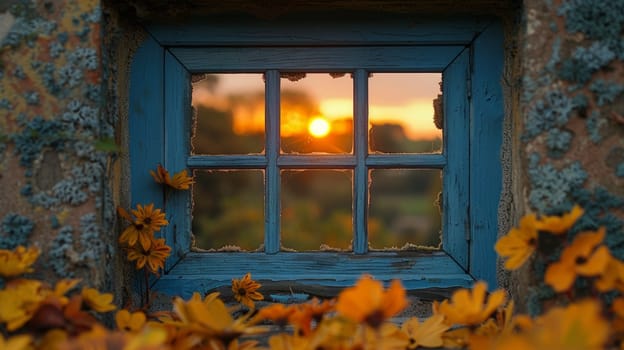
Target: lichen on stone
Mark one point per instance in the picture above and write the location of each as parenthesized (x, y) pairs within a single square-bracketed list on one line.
[(552, 187), (584, 61), (558, 142), (598, 19), (61, 249), (36, 135), (605, 92), (551, 111), (594, 124), (91, 241), (15, 231)]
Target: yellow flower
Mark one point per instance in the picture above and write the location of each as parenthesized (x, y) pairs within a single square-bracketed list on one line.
[(19, 302), (180, 181), (18, 342), (428, 333), (154, 257), (210, 318), (560, 224), (100, 302), (583, 258), (18, 262), (368, 302), (578, 326), (245, 290), (519, 244), (142, 228), (130, 322), (469, 307)]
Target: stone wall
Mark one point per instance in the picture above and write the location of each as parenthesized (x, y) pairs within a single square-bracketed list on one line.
[(56, 144)]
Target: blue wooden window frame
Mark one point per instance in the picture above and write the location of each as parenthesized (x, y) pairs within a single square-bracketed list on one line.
[(468, 52)]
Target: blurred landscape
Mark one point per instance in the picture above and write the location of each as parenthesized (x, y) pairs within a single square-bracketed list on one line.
[(316, 205)]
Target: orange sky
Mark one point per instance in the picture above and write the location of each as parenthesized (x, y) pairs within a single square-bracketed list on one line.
[(404, 99)]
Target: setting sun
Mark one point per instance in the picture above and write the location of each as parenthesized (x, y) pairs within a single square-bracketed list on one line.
[(318, 127)]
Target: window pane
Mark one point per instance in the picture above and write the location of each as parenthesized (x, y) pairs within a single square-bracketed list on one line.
[(316, 209), (316, 113), (401, 113), (228, 209), (229, 114), (404, 208)]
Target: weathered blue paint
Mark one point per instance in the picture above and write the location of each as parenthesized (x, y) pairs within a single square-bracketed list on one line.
[(485, 145), (360, 176), (146, 122), (177, 133), (272, 174), (340, 59), (455, 186), (159, 112), (416, 270)]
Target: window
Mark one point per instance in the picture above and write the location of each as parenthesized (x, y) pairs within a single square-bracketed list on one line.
[(465, 53)]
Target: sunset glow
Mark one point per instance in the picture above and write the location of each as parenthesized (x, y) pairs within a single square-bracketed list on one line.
[(319, 127)]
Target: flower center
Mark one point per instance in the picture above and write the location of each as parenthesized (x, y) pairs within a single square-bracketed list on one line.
[(242, 291), (147, 221), (580, 260), (138, 226), (375, 319)]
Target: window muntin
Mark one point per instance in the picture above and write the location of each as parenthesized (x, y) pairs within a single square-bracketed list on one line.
[(467, 51)]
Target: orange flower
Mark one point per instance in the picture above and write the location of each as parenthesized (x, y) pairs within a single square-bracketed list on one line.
[(427, 334), (180, 181), (245, 290), (612, 277), (469, 307), (583, 258), (100, 302), (154, 257), (142, 228), (18, 262), (368, 302), (519, 244), (577, 326), (130, 322), (560, 224), (278, 313), (150, 218)]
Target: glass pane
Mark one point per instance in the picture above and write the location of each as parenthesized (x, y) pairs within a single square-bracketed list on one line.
[(229, 114), (401, 113), (404, 208), (316, 113), (228, 209), (316, 209)]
